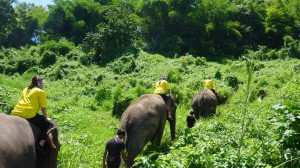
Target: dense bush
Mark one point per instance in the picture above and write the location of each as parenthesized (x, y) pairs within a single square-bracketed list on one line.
[(62, 68), (174, 76), (24, 64), (120, 104), (200, 61), (75, 54), (48, 58), (291, 49), (61, 47), (124, 64), (103, 92), (232, 81)]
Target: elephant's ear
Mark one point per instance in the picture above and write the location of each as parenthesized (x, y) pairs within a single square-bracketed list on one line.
[(55, 136), (172, 101)]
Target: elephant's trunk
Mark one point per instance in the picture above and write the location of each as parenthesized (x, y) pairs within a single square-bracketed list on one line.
[(172, 128)]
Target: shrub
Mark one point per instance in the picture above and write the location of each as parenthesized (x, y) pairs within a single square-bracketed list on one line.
[(25, 64), (224, 94), (140, 90), (218, 75), (200, 61), (186, 61), (120, 104), (174, 76), (104, 92), (62, 47), (232, 81), (75, 54), (63, 68), (291, 47), (86, 59), (48, 58), (125, 64), (297, 68)]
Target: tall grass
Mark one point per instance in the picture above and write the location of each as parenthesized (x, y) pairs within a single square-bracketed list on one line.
[(250, 69)]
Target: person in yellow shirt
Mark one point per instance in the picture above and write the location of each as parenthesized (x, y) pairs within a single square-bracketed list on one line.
[(162, 88), (209, 84), (32, 100)]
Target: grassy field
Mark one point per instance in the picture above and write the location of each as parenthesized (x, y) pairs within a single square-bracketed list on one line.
[(87, 101)]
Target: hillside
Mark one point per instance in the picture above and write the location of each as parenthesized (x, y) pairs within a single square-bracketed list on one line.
[(87, 101)]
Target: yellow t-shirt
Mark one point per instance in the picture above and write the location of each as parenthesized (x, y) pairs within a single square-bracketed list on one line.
[(209, 84), (30, 103), (161, 87)]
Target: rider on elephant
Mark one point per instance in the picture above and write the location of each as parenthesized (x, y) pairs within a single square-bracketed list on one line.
[(162, 88), (209, 84), (33, 99)]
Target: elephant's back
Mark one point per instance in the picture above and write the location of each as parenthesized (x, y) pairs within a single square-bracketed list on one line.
[(145, 109), (17, 142), (205, 95), (145, 103)]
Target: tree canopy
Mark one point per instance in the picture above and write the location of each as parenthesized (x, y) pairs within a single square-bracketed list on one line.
[(209, 28)]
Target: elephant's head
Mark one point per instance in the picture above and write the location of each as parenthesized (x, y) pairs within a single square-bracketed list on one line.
[(51, 160), (171, 106)]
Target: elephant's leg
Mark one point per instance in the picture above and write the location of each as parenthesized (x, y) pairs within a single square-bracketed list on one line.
[(159, 133), (134, 147)]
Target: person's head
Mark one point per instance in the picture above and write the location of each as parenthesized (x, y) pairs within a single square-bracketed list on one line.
[(121, 133), (191, 112), (163, 77), (36, 81)]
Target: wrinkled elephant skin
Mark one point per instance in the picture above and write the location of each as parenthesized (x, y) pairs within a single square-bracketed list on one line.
[(17, 144), (144, 120)]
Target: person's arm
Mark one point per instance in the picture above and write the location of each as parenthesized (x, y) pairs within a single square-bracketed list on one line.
[(44, 111), (104, 158), (167, 86), (123, 155)]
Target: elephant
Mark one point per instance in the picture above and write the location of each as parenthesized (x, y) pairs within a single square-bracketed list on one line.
[(18, 139), (144, 120), (204, 103)]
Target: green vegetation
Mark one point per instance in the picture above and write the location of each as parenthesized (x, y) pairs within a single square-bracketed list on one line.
[(106, 29), (98, 56), (87, 102)]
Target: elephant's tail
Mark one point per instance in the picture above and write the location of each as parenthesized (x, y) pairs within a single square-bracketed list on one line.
[(126, 136)]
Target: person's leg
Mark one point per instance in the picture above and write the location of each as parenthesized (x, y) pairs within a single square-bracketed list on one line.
[(43, 123), (214, 91), (165, 97), (46, 126)]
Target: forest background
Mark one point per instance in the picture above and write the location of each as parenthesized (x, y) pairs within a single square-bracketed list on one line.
[(99, 56)]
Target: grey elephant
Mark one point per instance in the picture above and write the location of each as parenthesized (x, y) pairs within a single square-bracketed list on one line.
[(144, 120), (17, 144), (204, 103)]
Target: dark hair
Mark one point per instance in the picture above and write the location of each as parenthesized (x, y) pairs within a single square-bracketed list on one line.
[(35, 80), (192, 112), (121, 132), (163, 77)]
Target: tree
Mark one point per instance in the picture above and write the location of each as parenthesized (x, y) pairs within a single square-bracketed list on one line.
[(117, 33), (29, 23), (7, 19), (282, 19)]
